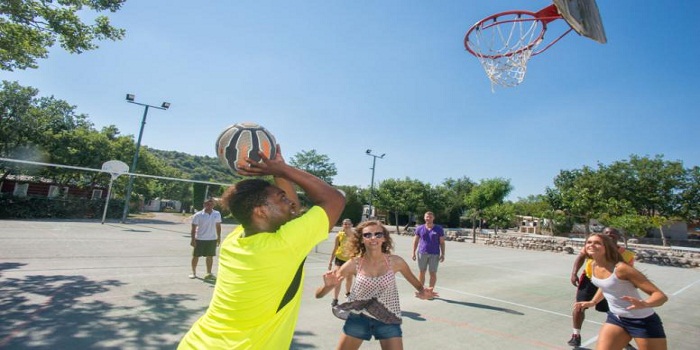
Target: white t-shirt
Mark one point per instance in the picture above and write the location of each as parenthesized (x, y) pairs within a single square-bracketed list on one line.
[(206, 224)]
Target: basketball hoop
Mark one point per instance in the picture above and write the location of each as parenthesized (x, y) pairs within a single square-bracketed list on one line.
[(505, 42)]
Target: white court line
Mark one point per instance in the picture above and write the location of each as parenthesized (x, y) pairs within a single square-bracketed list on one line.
[(589, 342), (684, 288), (489, 264), (506, 302)]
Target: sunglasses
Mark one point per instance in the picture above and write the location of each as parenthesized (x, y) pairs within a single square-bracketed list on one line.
[(376, 235)]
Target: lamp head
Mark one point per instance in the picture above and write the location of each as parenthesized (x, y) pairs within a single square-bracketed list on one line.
[(368, 151), (130, 97), (165, 105)]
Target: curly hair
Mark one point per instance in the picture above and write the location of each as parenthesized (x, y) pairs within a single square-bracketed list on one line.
[(356, 244), (245, 196)]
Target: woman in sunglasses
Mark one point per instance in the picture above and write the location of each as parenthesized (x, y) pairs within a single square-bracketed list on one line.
[(373, 308)]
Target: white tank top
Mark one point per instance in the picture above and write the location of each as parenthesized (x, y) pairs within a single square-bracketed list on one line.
[(614, 289)]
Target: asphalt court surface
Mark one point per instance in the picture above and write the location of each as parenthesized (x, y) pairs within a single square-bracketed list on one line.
[(83, 285)]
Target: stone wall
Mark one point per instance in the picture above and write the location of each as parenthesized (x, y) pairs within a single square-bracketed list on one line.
[(677, 256)]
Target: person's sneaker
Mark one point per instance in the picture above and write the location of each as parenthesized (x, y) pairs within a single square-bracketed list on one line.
[(630, 347), (334, 302), (575, 340), (209, 276), (192, 276)]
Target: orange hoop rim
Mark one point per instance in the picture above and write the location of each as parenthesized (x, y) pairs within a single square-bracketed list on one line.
[(544, 16), (482, 24)]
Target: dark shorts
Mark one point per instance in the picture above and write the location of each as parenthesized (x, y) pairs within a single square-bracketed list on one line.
[(205, 248), (363, 327), (586, 290), (339, 262), (648, 327)]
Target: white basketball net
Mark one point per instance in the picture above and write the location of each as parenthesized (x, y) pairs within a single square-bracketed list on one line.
[(509, 40)]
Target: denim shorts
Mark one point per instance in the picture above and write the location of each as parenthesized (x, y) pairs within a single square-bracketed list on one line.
[(363, 327), (648, 327)]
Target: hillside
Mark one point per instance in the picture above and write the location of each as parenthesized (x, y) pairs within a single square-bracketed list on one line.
[(203, 168)]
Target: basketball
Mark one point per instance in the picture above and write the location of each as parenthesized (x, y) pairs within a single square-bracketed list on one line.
[(243, 140)]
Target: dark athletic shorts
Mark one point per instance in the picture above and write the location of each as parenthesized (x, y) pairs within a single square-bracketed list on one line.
[(205, 248), (339, 262), (586, 290), (648, 327)]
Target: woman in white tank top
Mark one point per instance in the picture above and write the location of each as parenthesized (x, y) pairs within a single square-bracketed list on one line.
[(630, 316)]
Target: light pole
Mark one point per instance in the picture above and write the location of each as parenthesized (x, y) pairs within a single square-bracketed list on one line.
[(163, 106), (371, 188)]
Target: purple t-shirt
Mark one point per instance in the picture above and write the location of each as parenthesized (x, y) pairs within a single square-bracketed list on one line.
[(429, 242)]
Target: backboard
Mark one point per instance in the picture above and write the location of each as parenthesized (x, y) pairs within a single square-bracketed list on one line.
[(115, 167), (584, 17)]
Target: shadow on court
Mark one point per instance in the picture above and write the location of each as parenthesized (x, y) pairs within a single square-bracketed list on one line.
[(412, 315), (481, 306), (146, 228), (57, 312), (297, 342)]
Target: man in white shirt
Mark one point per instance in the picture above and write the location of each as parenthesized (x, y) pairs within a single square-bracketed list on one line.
[(206, 236)]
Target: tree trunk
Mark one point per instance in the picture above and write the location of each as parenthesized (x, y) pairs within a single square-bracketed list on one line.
[(664, 241), (396, 221)]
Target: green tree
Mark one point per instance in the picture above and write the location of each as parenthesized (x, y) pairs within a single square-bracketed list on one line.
[(402, 197), (41, 129), (450, 195), (487, 193), (18, 105), (689, 195), (651, 185), (633, 224), (353, 203), (316, 164), (499, 215), (29, 28), (533, 205), (580, 194)]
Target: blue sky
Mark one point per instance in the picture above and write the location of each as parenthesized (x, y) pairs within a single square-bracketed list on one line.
[(393, 76)]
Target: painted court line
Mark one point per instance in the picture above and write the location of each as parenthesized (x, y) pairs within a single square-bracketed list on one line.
[(685, 288), (508, 302)]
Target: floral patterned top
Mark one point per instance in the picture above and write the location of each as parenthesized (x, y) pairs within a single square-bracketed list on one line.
[(376, 297)]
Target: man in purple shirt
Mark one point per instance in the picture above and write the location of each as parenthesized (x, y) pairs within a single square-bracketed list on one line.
[(429, 248)]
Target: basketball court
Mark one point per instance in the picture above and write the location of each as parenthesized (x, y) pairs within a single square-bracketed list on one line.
[(80, 285)]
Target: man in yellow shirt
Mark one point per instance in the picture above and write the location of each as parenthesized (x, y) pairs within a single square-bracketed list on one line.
[(258, 291)]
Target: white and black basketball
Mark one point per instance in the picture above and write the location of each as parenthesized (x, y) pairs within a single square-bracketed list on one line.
[(243, 140)]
